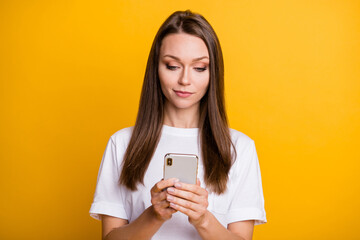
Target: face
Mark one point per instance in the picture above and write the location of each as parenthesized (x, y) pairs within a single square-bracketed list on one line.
[(183, 70)]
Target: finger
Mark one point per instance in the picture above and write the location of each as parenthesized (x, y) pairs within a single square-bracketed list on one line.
[(159, 186), (184, 194), (158, 197), (198, 182), (170, 210), (163, 204), (190, 213), (196, 207), (163, 209), (191, 188)]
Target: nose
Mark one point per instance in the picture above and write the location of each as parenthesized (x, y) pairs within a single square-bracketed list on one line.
[(184, 78)]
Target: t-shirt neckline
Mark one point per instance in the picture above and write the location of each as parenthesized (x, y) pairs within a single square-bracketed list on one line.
[(180, 131)]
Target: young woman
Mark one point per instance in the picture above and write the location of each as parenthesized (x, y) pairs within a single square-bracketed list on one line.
[(181, 110)]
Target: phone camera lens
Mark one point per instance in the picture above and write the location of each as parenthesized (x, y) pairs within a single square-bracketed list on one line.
[(169, 161)]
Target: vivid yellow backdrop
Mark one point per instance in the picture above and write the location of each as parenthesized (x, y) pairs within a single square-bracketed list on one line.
[(71, 74)]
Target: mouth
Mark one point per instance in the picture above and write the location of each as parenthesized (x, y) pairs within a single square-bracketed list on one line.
[(183, 93)]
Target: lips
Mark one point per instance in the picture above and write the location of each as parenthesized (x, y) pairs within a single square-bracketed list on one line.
[(183, 94)]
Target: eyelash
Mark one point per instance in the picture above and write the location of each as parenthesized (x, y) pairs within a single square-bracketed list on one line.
[(173, 68), (200, 69)]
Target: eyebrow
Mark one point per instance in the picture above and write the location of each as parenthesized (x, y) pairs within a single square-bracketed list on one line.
[(178, 59)]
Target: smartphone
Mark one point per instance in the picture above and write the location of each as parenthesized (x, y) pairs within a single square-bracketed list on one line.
[(181, 166)]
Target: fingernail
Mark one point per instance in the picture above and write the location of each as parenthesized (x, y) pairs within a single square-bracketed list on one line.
[(169, 198), (176, 180), (178, 185), (171, 190)]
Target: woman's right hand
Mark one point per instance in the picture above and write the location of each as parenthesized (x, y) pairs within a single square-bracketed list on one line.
[(161, 207)]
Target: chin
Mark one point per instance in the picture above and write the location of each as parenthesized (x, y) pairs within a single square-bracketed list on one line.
[(183, 105)]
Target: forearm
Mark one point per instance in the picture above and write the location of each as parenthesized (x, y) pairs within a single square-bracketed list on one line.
[(211, 228), (144, 227)]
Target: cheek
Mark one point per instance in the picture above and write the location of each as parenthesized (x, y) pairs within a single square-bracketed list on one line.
[(166, 77), (165, 84), (203, 83), (163, 87), (162, 78), (161, 74)]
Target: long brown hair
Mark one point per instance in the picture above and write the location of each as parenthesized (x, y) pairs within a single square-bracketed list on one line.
[(214, 134)]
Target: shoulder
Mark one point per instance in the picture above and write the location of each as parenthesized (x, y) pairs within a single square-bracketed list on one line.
[(122, 136), (244, 146), (239, 139)]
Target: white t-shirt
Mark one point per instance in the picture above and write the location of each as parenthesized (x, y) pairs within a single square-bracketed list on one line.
[(243, 199)]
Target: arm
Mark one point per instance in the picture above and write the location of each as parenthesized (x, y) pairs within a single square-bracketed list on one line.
[(144, 227), (243, 228), (210, 228), (147, 224), (192, 200)]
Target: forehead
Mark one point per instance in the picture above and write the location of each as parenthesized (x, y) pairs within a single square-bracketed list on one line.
[(183, 46)]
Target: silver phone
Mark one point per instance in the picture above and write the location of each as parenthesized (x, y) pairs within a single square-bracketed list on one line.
[(181, 166)]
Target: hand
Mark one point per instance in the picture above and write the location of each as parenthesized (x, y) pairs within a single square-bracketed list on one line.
[(159, 203), (190, 199)]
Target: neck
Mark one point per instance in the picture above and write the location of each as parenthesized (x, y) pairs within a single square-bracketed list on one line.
[(182, 118)]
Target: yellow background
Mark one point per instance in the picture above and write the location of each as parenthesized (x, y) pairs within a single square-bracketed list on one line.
[(71, 74)]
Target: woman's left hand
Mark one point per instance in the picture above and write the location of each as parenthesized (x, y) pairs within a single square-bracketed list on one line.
[(190, 199)]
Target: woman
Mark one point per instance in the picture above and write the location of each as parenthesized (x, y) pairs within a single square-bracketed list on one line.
[(181, 110)]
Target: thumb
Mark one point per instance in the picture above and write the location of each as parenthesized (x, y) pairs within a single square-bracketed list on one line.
[(198, 182)]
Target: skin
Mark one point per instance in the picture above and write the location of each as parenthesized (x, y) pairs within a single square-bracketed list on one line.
[(183, 66)]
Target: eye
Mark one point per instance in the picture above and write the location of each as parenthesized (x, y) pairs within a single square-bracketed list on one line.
[(171, 67), (199, 69)]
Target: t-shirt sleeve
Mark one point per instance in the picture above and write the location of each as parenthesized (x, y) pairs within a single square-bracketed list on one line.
[(109, 195), (248, 200)]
